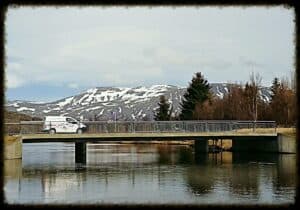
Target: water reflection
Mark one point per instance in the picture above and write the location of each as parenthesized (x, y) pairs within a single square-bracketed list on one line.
[(200, 180), (147, 173), (286, 170)]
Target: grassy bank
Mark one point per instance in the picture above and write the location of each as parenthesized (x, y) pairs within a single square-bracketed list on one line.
[(290, 131), (287, 131)]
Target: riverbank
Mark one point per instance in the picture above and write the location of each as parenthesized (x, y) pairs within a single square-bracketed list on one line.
[(287, 131)]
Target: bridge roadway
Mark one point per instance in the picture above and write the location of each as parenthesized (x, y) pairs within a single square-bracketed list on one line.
[(86, 138)]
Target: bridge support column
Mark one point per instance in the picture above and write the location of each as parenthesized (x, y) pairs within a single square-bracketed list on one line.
[(80, 152), (201, 151), (201, 146)]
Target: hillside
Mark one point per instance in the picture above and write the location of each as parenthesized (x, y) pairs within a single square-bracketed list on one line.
[(13, 117), (109, 103)]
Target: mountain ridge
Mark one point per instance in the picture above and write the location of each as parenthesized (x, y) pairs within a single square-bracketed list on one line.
[(121, 103)]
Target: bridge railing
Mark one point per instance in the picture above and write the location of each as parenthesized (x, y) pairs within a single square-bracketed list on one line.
[(35, 127)]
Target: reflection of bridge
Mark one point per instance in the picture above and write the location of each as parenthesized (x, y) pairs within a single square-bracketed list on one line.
[(244, 134), (199, 177)]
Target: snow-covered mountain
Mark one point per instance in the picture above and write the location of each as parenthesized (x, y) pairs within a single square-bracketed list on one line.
[(108, 103)]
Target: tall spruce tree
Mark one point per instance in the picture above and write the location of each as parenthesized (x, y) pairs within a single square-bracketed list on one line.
[(275, 87), (276, 101), (163, 113), (196, 94)]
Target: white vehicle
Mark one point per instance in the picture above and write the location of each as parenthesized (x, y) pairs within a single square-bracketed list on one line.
[(60, 124)]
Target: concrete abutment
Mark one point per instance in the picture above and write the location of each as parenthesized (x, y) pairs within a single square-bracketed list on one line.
[(12, 147)]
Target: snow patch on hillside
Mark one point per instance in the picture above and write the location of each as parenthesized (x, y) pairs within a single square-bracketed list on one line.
[(93, 108), (25, 109), (65, 102), (14, 104), (101, 112)]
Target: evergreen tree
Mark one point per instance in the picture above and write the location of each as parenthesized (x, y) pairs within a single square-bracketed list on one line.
[(163, 113), (249, 101), (197, 93), (283, 103), (276, 101), (275, 87)]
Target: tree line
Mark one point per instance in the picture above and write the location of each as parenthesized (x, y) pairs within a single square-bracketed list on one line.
[(241, 102)]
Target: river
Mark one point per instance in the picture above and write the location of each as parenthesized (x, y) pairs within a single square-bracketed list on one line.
[(147, 174)]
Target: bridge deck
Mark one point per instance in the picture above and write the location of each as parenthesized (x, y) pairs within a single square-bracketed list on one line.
[(36, 138)]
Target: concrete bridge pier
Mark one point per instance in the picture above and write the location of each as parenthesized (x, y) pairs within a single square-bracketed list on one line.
[(201, 146), (201, 151), (80, 153)]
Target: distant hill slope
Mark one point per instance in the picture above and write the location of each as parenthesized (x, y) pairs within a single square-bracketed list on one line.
[(128, 103), (13, 117)]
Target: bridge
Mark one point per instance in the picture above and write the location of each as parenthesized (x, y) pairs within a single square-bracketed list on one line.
[(92, 138), (97, 127), (245, 135)]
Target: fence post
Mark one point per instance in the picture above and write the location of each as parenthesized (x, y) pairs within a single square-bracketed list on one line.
[(254, 124), (20, 132), (133, 127)]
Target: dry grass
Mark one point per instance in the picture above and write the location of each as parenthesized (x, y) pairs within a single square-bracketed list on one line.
[(268, 130), (226, 143), (287, 131), (257, 130)]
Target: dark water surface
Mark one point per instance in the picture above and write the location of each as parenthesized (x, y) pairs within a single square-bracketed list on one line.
[(146, 173)]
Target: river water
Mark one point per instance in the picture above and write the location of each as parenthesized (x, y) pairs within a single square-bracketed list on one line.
[(147, 174)]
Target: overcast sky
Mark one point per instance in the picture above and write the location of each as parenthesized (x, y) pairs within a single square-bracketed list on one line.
[(57, 52)]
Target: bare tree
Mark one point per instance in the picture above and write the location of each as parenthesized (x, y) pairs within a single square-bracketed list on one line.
[(293, 80), (255, 83)]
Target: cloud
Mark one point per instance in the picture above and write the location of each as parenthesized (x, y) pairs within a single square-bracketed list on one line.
[(14, 74), (139, 46), (250, 62), (13, 81), (92, 61), (73, 85)]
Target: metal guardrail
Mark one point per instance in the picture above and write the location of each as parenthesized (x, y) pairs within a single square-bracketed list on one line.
[(35, 127)]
